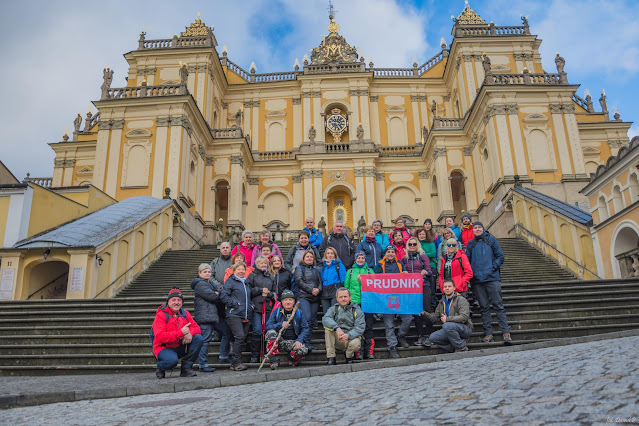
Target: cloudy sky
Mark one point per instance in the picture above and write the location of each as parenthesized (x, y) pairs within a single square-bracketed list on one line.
[(53, 53)]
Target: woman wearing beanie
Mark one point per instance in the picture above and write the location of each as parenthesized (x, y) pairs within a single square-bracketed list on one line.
[(467, 233)]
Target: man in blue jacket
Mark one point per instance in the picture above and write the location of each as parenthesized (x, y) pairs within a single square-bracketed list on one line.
[(315, 236), (485, 257), (296, 331)]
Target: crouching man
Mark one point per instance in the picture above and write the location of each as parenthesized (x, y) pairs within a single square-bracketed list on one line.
[(296, 331), (454, 313), (175, 335), (344, 325)]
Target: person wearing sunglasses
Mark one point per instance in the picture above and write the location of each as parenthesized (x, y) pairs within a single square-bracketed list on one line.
[(416, 262), (456, 267), (447, 233)]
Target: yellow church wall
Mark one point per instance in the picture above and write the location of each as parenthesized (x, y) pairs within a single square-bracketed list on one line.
[(50, 210), (587, 118), (233, 78), (31, 259), (262, 188), (437, 71), (78, 197), (123, 192)]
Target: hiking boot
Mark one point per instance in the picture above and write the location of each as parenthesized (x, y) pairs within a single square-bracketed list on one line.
[(464, 349), (392, 353), (254, 359), (187, 372), (293, 363), (159, 373), (274, 365), (239, 367), (358, 355), (331, 361), (488, 338), (507, 339), (207, 369), (403, 343), (349, 360), (421, 341)]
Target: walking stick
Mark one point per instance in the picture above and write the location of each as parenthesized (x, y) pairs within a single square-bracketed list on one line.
[(277, 339)]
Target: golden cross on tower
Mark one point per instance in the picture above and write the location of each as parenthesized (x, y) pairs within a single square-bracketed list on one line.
[(331, 9)]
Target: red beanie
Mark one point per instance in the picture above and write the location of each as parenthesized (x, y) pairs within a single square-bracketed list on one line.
[(175, 292)]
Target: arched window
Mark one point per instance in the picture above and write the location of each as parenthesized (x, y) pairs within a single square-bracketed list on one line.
[(633, 185), (617, 199), (602, 207)]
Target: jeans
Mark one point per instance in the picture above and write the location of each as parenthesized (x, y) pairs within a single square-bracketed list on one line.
[(391, 339), (451, 336), (169, 357), (487, 294), (207, 334), (433, 292), (309, 310), (327, 303), (370, 321), (239, 330)]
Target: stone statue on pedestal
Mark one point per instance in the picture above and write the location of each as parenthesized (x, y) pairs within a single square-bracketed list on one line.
[(312, 134), (321, 225), (360, 133), (238, 118), (107, 76), (77, 122), (560, 62), (184, 74), (361, 224)]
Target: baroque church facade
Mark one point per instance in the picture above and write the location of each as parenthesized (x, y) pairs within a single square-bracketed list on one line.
[(337, 137)]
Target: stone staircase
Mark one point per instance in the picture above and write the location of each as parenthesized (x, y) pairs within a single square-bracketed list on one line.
[(103, 336)]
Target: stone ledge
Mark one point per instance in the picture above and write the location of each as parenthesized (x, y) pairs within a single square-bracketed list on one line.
[(209, 381)]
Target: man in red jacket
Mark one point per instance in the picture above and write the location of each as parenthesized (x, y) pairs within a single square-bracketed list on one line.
[(467, 233), (175, 335)]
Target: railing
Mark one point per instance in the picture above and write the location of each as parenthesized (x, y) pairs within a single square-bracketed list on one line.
[(337, 147), (275, 155), (273, 76), (548, 248), (198, 243), (400, 151), (432, 62), (489, 30), (144, 91), (629, 263), (47, 285), (587, 105), (228, 133), (334, 68), (238, 69), (525, 78), (448, 123), (175, 42), (394, 72), (42, 181), (124, 274), (94, 120)]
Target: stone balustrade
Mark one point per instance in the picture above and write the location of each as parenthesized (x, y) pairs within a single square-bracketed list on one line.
[(42, 181), (393, 72), (629, 263), (583, 103), (237, 69), (274, 155), (337, 147), (489, 30), (432, 62), (525, 78), (401, 151), (334, 68), (229, 133), (274, 76), (144, 91), (448, 123), (176, 42)]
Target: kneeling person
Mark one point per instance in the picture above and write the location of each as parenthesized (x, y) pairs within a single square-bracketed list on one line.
[(296, 331), (344, 325), (454, 312), (175, 335)]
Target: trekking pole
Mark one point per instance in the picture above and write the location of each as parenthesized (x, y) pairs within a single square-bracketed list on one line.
[(277, 339)]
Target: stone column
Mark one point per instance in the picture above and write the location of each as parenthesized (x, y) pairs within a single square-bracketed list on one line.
[(298, 135), (375, 120), (425, 193), (365, 118), (252, 221), (560, 136), (112, 174), (415, 107), (246, 121), (69, 165), (306, 110), (359, 207), (470, 87), (354, 118), (255, 133), (318, 121), (380, 197), (159, 157), (573, 137), (101, 155), (423, 107), (174, 166), (518, 143), (235, 192), (307, 181), (369, 179), (200, 93), (469, 181), (298, 200), (479, 174)]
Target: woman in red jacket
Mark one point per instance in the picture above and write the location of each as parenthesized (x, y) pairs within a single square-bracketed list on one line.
[(406, 233), (455, 266), (175, 335), (397, 241)]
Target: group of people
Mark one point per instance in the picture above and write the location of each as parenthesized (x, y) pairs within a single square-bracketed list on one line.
[(253, 288)]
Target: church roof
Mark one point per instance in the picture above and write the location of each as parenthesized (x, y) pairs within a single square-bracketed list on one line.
[(568, 210), (623, 152), (469, 17), (98, 227)]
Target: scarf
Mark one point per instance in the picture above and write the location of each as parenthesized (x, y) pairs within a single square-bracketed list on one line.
[(370, 239)]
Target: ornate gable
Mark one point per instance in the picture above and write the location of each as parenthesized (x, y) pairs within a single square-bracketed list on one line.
[(197, 28), (334, 48), (469, 17)]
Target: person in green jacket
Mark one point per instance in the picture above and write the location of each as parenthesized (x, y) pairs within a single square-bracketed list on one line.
[(427, 241), (353, 282)]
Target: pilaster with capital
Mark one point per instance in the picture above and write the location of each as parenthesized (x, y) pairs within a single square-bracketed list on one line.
[(374, 114), (298, 125), (414, 99), (318, 120), (319, 207), (560, 135), (365, 118), (518, 143), (306, 112), (255, 133)]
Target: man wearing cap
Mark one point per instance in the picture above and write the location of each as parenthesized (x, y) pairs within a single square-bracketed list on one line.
[(466, 229), (390, 265), (175, 335), (344, 325), (296, 330), (486, 257)]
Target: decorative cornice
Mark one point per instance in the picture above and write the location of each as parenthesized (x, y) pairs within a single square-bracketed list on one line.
[(369, 172), (379, 176), (351, 92), (247, 104), (297, 178), (237, 159), (201, 68), (439, 152), (359, 172), (414, 98), (422, 98), (192, 69), (511, 109), (423, 175), (306, 94), (110, 124), (209, 161), (317, 94), (317, 173), (363, 92), (297, 101), (163, 121), (467, 151), (374, 98), (70, 162), (306, 174), (253, 180), (568, 108), (255, 104), (468, 58)]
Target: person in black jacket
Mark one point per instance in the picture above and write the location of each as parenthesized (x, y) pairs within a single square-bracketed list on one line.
[(283, 277), (263, 297), (341, 243), (236, 295), (206, 314), (308, 288)]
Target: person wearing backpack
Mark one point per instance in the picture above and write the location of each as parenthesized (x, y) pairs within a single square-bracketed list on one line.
[(308, 290), (343, 245), (370, 247), (456, 267), (344, 325), (296, 332), (353, 283), (333, 274), (263, 297), (205, 310), (175, 335), (417, 262), (236, 295)]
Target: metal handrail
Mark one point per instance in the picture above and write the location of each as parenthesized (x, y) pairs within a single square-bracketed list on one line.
[(197, 243), (546, 243), (47, 285), (133, 266)]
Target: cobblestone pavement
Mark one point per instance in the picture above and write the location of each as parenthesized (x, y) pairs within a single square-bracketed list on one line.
[(591, 382)]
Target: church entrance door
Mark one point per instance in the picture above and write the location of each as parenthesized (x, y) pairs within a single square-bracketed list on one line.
[(339, 208)]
